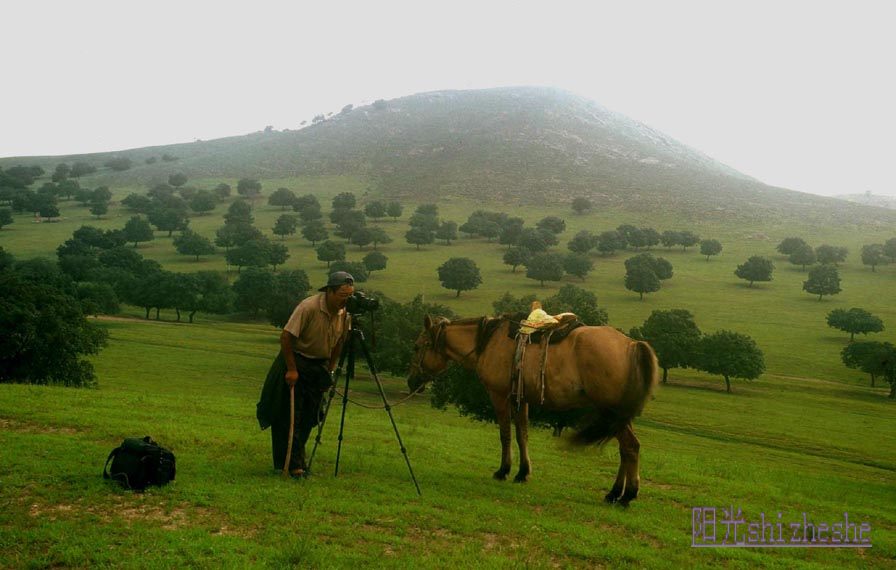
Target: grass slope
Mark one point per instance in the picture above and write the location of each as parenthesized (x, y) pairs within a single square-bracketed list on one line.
[(801, 446)]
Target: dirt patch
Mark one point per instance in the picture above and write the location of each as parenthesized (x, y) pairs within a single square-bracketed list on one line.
[(11, 424), (140, 508)]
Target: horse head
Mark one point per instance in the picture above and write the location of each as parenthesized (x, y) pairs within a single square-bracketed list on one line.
[(429, 358)]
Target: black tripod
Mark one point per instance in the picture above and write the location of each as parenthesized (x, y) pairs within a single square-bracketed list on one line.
[(356, 338)]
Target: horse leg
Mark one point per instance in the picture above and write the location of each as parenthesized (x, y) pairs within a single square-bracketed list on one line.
[(521, 420), (630, 447), (619, 485), (502, 410)]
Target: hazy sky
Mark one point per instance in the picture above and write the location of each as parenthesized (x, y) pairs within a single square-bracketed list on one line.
[(797, 94)]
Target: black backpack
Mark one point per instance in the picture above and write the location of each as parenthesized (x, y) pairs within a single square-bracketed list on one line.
[(137, 463)]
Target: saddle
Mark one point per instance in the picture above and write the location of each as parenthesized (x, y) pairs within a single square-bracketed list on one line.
[(543, 334)]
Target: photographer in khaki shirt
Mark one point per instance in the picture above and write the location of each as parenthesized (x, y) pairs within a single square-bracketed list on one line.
[(310, 345)]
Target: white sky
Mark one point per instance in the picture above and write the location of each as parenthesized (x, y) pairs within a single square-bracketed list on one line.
[(798, 94)]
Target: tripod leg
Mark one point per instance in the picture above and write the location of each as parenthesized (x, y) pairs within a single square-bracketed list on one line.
[(387, 407), (326, 407), (349, 374)]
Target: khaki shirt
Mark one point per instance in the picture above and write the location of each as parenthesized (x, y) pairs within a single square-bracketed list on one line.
[(316, 331)]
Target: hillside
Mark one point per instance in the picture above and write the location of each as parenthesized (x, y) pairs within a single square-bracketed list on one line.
[(515, 145)]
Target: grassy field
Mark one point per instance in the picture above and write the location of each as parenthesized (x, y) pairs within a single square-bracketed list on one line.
[(789, 445), (808, 436)]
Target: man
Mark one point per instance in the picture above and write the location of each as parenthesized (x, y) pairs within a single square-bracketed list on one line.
[(310, 345)]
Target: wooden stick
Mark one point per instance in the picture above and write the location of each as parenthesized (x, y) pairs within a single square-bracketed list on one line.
[(292, 428)]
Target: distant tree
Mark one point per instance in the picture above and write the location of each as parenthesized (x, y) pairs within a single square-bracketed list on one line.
[(426, 222), (687, 239), (177, 179), (756, 268), (582, 242), (609, 242), (552, 224), (890, 249), (674, 336), (98, 299), (802, 255), (867, 356), (315, 231), (790, 245), (545, 267), (429, 209), (873, 255), (490, 230), (660, 267), (48, 210), (641, 279), (236, 234), (350, 221), (572, 299), (357, 269), (710, 247), (394, 210), (80, 169), (5, 217), (191, 243), (277, 254), (581, 204), (732, 355), (577, 264), (375, 210), (151, 160), (213, 294), (670, 238), (253, 253), (169, 157), (507, 304), (651, 237), (459, 274), (330, 251), (283, 197), (99, 208), (222, 191), (203, 202), (160, 192), (168, 219), (248, 188), (516, 256), (854, 321), (61, 173), (447, 231), (254, 289), (823, 280), (67, 188), (137, 203), (124, 258), (631, 236), (344, 201), (286, 225), (830, 254), (361, 237), (318, 119), (46, 334), (419, 236), (290, 287), (511, 231), (136, 230), (375, 261), (239, 211)]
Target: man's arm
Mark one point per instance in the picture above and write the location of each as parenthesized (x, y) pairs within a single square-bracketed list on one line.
[(287, 342)]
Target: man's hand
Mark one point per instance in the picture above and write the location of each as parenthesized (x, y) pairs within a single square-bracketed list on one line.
[(291, 377)]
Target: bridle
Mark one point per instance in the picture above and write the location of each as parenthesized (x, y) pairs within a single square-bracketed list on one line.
[(430, 342)]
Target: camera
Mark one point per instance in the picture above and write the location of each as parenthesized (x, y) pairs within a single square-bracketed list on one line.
[(360, 303)]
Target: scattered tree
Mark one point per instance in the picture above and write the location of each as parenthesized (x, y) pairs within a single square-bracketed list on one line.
[(315, 231), (854, 321), (177, 179), (756, 268), (732, 355), (375, 261), (248, 188), (447, 231), (283, 197), (823, 280), (873, 255), (191, 243), (830, 254), (5, 217), (790, 245), (581, 204), (330, 251), (394, 210), (459, 274), (802, 255), (710, 247), (286, 225), (577, 264), (552, 224), (641, 279), (545, 267), (419, 236), (674, 336), (516, 256), (136, 230)]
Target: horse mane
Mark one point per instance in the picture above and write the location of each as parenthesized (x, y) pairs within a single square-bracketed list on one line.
[(487, 328)]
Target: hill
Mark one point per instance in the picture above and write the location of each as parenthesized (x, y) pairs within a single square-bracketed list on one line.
[(525, 145)]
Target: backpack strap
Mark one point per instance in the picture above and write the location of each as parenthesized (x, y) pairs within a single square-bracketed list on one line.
[(112, 454)]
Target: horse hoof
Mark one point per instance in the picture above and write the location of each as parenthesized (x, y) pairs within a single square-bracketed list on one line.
[(500, 475), (611, 498), (521, 479)]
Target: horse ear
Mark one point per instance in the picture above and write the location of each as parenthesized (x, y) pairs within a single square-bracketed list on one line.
[(427, 322)]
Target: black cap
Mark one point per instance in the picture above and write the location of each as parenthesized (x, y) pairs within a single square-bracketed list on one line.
[(338, 278)]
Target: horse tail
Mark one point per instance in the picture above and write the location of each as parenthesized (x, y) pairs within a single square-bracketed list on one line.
[(604, 424)]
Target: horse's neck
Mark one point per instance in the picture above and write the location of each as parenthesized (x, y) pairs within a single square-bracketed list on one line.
[(460, 343)]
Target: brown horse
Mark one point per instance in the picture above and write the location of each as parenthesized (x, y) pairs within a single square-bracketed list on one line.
[(594, 367)]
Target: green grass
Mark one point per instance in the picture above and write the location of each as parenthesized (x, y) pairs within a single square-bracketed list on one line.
[(802, 446)]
